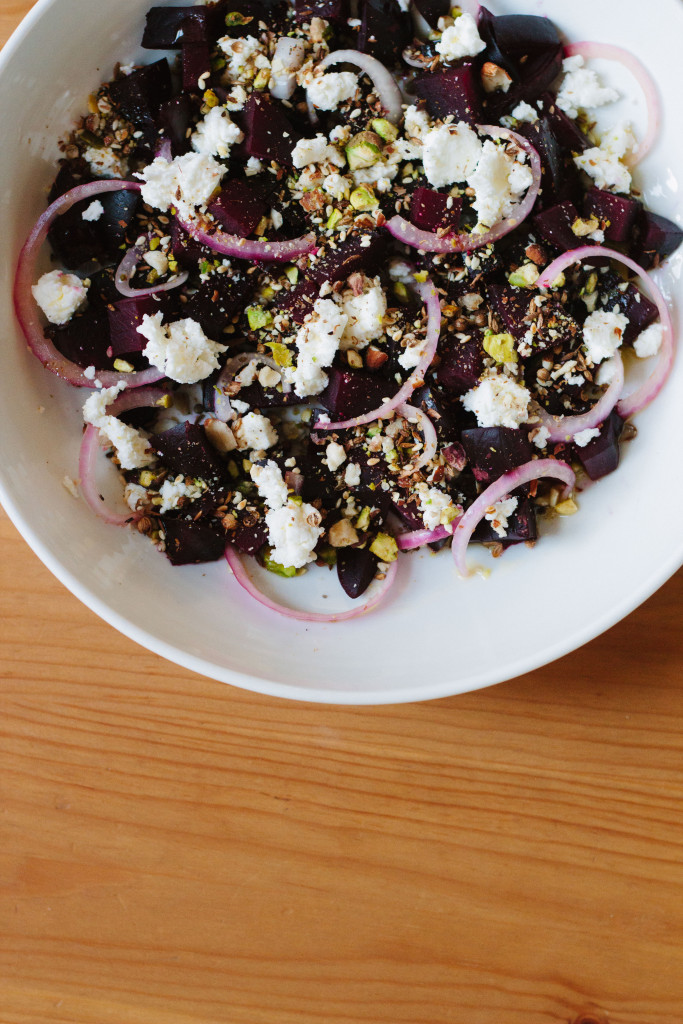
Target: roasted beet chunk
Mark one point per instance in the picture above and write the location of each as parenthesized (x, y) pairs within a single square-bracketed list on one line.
[(560, 178), (189, 542), (567, 133), (512, 306), (432, 210), (125, 316), (186, 251), (329, 10), (461, 365), (555, 225), (432, 10), (84, 339), (618, 213), (249, 539), (528, 47), (168, 27), (601, 455), (218, 300), (77, 242), (240, 206), (521, 526), (185, 449), (455, 91), (635, 306), (174, 120), (658, 239), (269, 133), (356, 568), (139, 96), (353, 392), (196, 66), (493, 451), (385, 30)]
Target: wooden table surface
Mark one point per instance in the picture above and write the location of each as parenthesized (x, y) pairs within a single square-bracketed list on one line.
[(175, 851)]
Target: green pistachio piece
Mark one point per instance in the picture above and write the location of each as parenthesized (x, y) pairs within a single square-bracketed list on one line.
[(525, 276), (292, 274), (277, 567), (334, 219), (385, 547), (363, 520), (281, 354), (363, 150), (363, 198), (258, 317), (500, 347), (385, 129), (236, 18)]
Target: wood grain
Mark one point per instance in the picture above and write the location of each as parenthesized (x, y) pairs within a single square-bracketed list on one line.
[(174, 851)]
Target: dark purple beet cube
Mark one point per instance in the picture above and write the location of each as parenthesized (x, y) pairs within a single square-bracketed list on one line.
[(249, 539), (635, 306), (139, 96), (528, 47), (409, 513), (567, 133), (185, 449), (84, 339), (493, 451), (512, 306), (432, 10), (522, 526), (461, 366), (269, 134), (385, 30), (219, 299), (659, 238), (354, 392), (445, 412), (125, 316), (195, 62), (456, 91), (620, 212), (356, 568), (601, 455), (560, 178), (175, 117), (186, 250), (76, 242), (168, 27), (555, 225), (240, 206), (431, 210), (329, 10), (190, 542)]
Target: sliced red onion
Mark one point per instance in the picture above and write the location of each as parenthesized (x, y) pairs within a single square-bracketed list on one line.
[(27, 310), (249, 248), (234, 560), (289, 55), (388, 92), (414, 62), (90, 449), (164, 151), (427, 292), (499, 489), (606, 51), (643, 395), (429, 241), (126, 271), (418, 538), (421, 26), (411, 412), (563, 428)]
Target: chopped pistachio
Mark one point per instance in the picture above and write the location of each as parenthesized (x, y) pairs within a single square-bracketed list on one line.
[(363, 198), (211, 99), (327, 554), (385, 547), (236, 18), (164, 402), (401, 292), (281, 354), (591, 283), (363, 520), (246, 465), (232, 469), (154, 243), (262, 79), (292, 274), (333, 219), (91, 139), (147, 478), (525, 276), (385, 129), (500, 347), (277, 567), (421, 276), (559, 281), (582, 227), (258, 317), (567, 507), (363, 150), (122, 366)]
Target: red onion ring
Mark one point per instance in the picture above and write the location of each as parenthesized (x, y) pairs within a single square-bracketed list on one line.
[(591, 51), (90, 448), (643, 395), (418, 538), (412, 62), (126, 270), (234, 560), (290, 54), (429, 241), (563, 428), (428, 431), (249, 248), (27, 311), (427, 292), (383, 81), (524, 474)]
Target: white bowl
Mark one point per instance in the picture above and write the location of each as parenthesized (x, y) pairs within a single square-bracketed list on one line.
[(437, 635)]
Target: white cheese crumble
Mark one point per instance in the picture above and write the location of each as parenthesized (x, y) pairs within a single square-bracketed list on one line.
[(433, 503), (253, 166), (246, 57), (132, 448), (497, 401), (157, 260), (184, 183), (499, 513), (416, 123), (541, 437), (499, 182), (365, 314), (327, 91), (582, 89), (334, 456), (461, 39), (59, 295), (450, 153), (410, 356), (316, 151), (172, 493), (525, 112), (180, 350), (293, 532), (94, 211), (317, 342), (603, 333), (336, 185), (352, 475), (254, 431), (216, 134), (584, 436), (270, 483), (649, 341), (106, 162), (603, 163), (135, 496)]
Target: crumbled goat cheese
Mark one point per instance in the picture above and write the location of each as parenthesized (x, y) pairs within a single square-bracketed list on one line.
[(132, 448), (499, 181), (216, 134), (236, 99), (416, 123), (603, 163), (316, 151), (254, 431), (433, 503), (582, 89), (172, 493), (334, 456), (180, 350), (253, 166), (410, 356), (157, 261), (605, 374), (317, 342), (499, 513), (603, 333), (365, 314), (185, 183), (246, 57), (450, 153), (649, 341), (135, 496), (59, 295), (336, 186), (584, 436), (525, 112), (270, 483), (352, 475), (541, 437), (497, 401), (460, 39), (106, 162), (293, 533), (327, 91), (276, 219), (94, 211)]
